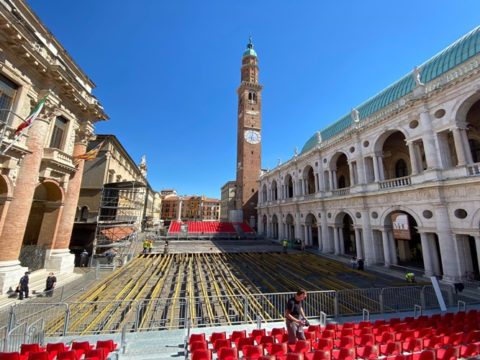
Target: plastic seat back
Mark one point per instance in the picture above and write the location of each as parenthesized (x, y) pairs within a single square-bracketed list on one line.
[(201, 355), (217, 336), (100, 353), (302, 346), (322, 355), (24, 348), (343, 354), (39, 355), (252, 352), (198, 345), (10, 356), (68, 355), (57, 347), (323, 344), (294, 356), (107, 344), (367, 352), (365, 340), (196, 337), (450, 353), (278, 349), (221, 343), (227, 354), (391, 348)]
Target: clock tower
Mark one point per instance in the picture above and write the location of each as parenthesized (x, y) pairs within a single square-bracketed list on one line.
[(248, 136)]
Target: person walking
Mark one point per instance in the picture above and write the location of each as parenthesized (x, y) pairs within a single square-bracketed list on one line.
[(295, 317), (285, 245), (84, 258), (50, 284), (23, 286)]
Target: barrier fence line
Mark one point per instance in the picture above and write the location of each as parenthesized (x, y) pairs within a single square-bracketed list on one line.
[(176, 312)]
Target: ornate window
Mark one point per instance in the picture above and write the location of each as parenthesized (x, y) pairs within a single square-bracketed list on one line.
[(58, 133), (8, 90)]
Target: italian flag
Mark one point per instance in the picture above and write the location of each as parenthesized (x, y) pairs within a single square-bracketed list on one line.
[(31, 118)]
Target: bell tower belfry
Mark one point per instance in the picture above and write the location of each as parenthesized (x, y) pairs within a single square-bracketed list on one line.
[(248, 136)]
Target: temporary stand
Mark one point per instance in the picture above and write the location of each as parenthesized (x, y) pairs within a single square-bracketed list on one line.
[(119, 218)]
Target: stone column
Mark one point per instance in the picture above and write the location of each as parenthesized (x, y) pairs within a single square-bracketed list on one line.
[(16, 219), (386, 248), (447, 245), (60, 258), (368, 245), (179, 215), (327, 244), (336, 240), (429, 140), (306, 233), (350, 171), (393, 250), (477, 246), (358, 244), (381, 171), (459, 147), (319, 236), (376, 174), (341, 240), (427, 254), (466, 144), (413, 157), (330, 179)]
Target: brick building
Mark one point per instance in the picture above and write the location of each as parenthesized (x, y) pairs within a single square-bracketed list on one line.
[(192, 207), (39, 181)]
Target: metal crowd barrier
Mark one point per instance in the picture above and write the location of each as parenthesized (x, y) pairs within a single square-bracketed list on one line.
[(98, 317)]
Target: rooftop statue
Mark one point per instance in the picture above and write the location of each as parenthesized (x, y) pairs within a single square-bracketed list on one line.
[(416, 76)]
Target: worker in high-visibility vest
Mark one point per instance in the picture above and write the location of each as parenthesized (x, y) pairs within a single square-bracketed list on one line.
[(410, 277), (285, 245)]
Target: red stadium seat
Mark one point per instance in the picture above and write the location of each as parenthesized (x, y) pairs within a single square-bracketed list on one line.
[(252, 352), (450, 353), (278, 350), (385, 337), (391, 348), (328, 334), (412, 345), (107, 344), (57, 347), (321, 355), (345, 342), (365, 340), (41, 355), (98, 353), (257, 334), (469, 350), (81, 347), (25, 348), (424, 355), (237, 335), (196, 337), (267, 342), (343, 354), (367, 352), (68, 355), (323, 344), (245, 341), (302, 346), (226, 354), (202, 355), (221, 343), (198, 345), (294, 356), (217, 335), (12, 356)]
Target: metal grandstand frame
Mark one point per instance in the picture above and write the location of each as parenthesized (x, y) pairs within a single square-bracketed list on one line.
[(119, 218)]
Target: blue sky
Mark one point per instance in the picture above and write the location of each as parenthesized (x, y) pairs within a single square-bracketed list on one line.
[(167, 71)]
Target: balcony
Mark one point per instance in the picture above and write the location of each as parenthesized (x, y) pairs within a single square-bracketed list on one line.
[(341, 192), (473, 169), (395, 183), (58, 157)]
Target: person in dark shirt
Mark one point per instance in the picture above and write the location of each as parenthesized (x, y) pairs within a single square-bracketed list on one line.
[(23, 286), (50, 284), (295, 317)]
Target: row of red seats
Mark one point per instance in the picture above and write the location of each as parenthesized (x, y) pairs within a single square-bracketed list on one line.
[(60, 351), (174, 227), (246, 228), (365, 352), (437, 333), (206, 227)]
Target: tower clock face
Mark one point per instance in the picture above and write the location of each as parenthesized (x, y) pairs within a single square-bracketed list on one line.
[(252, 136)]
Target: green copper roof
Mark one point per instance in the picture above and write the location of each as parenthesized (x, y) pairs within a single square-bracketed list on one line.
[(454, 55), (249, 51)]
